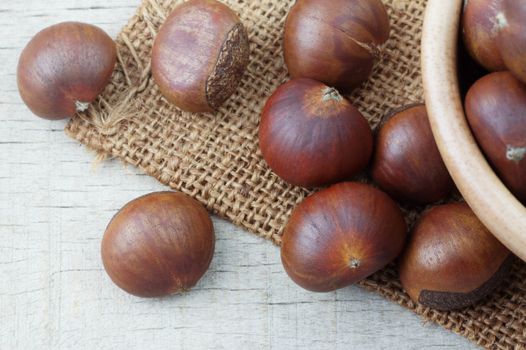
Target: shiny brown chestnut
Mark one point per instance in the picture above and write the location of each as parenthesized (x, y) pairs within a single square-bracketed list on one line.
[(407, 163), (200, 55), (480, 32), (340, 236), (64, 68), (512, 36), (452, 260), (336, 42), (310, 135), (496, 112), (158, 244)]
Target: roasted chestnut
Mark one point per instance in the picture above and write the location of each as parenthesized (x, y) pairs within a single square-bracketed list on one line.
[(340, 236), (64, 68), (512, 36), (336, 42), (452, 260), (200, 55), (310, 135), (480, 32), (496, 112), (407, 164), (158, 244)]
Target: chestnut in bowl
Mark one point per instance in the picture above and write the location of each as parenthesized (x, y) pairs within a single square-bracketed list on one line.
[(158, 244), (407, 163), (340, 236), (512, 36), (480, 32), (64, 68), (496, 112), (452, 260), (200, 55), (336, 42), (310, 135)]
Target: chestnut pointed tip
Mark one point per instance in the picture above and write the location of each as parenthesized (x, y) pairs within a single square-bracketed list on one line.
[(354, 263), (515, 154), (81, 106), (331, 94)]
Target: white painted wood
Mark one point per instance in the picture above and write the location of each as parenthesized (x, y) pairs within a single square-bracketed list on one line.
[(54, 208)]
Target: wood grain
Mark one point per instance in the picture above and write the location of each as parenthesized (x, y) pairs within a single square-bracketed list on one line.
[(53, 210)]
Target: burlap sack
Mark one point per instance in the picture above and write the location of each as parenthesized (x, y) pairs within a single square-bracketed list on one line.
[(215, 157)]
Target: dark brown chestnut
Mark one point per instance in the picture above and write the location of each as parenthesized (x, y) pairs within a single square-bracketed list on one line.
[(452, 260), (310, 135), (496, 112), (512, 36), (158, 244), (64, 68), (407, 164), (340, 236), (200, 55), (336, 42), (480, 32)]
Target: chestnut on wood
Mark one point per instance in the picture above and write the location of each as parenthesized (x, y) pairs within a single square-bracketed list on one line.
[(310, 135), (496, 112), (407, 164), (64, 68), (452, 260), (480, 32), (512, 36), (200, 55), (340, 236), (336, 42), (158, 244)]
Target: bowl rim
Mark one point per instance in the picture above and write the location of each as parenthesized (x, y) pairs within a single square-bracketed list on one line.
[(484, 192)]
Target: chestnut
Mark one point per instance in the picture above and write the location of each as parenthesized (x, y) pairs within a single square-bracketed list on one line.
[(407, 163), (64, 68), (341, 235), (310, 135), (480, 32), (512, 36), (200, 55), (336, 42), (452, 260), (158, 244), (496, 112)]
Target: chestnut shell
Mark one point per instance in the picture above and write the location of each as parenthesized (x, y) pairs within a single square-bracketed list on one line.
[(496, 112), (512, 36), (340, 236), (480, 32), (158, 244), (65, 67), (200, 55), (452, 260), (310, 135), (335, 42), (407, 163)]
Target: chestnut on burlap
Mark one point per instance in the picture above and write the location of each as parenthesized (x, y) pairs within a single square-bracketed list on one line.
[(215, 157)]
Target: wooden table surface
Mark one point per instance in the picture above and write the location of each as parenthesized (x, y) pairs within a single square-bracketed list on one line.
[(54, 206)]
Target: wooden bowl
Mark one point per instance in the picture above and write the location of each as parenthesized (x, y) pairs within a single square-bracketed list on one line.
[(491, 201)]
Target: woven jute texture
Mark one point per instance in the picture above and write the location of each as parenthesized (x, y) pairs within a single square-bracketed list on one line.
[(215, 157)]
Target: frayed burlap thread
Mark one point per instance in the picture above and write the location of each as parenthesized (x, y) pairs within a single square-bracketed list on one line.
[(215, 157)]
